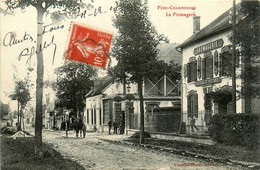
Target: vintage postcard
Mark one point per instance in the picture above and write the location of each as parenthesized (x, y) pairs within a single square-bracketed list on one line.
[(129, 84)]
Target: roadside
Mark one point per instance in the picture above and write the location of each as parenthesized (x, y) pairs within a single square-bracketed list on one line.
[(95, 153), (186, 146), (19, 154), (102, 151)]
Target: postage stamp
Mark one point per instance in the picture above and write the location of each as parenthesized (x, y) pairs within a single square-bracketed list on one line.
[(89, 45)]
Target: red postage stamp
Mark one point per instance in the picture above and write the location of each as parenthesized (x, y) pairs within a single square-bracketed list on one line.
[(88, 45)]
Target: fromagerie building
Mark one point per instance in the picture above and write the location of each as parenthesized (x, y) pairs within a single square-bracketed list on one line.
[(206, 74)]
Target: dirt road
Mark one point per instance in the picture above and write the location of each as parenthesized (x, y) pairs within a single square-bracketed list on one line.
[(94, 153)]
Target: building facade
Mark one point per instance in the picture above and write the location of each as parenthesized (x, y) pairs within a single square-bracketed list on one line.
[(206, 74), (120, 103)]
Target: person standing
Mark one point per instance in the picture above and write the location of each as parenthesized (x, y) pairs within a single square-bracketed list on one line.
[(84, 130), (109, 126), (67, 128), (80, 126), (193, 124), (115, 127)]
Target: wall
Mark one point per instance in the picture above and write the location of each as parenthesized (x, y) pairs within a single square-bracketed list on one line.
[(187, 53)]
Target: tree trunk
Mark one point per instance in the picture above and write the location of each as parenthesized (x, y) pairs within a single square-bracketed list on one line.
[(39, 84), (140, 93), (18, 121)]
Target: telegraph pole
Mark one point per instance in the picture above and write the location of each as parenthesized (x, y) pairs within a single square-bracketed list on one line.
[(234, 58)]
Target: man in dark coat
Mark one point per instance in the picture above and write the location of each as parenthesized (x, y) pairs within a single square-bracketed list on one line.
[(115, 127), (109, 126)]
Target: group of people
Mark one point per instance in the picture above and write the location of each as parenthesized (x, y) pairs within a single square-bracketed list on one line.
[(116, 125), (79, 126)]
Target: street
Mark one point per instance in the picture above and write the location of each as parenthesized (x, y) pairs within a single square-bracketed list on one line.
[(95, 153)]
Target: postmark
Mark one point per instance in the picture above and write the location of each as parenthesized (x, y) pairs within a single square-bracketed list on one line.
[(89, 45)]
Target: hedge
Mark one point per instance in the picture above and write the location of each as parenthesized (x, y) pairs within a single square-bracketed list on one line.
[(236, 129)]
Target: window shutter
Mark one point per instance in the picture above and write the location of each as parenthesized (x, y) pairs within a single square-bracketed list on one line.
[(195, 105), (195, 69), (188, 72), (203, 69), (220, 64), (216, 63), (210, 66), (199, 67), (191, 71), (189, 108)]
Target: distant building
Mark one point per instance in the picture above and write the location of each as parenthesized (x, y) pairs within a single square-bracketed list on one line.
[(119, 102), (49, 97), (5, 108), (206, 74)]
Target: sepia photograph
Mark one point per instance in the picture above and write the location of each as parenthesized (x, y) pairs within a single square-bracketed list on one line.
[(129, 84)]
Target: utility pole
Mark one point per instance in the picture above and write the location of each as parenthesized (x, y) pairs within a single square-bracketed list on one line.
[(234, 58)]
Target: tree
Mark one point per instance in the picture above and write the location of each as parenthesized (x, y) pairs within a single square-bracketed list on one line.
[(59, 8), (22, 95), (135, 47), (73, 83), (172, 70), (247, 38)]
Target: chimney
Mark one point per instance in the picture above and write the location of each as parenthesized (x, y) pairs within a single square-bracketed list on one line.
[(196, 24)]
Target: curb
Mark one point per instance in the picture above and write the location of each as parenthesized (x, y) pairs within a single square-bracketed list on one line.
[(251, 165)]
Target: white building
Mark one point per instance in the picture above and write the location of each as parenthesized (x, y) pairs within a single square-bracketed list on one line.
[(49, 98), (113, 100), (206, 73)]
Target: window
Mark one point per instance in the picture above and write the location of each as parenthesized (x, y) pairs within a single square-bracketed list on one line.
[(87, 116), (192, 101), (95, 116), (92, 117), (216, 63), (100, 117), (192, 71), (226, 64), (199, 67), (117, 111), (207, 66)]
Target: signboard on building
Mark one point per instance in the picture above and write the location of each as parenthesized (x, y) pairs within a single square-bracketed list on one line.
[(208, 47), (208, 82)]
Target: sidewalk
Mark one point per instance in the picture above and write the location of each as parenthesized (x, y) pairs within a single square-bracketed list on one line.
[(203, 148), (184, 137)]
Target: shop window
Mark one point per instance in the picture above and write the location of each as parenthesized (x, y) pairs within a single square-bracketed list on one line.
[(192, 101), (192, 71)]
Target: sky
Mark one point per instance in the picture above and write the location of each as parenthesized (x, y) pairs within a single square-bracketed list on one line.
[(23, 24)]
